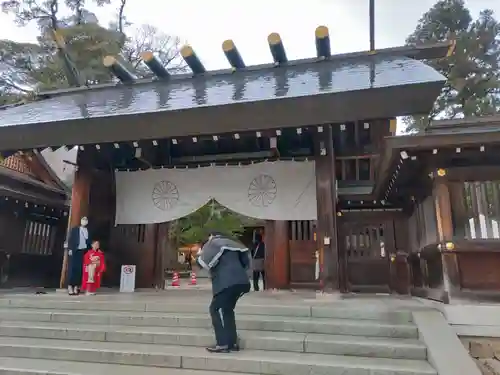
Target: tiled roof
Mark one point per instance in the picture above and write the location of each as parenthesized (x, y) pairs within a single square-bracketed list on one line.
[(294, 80)]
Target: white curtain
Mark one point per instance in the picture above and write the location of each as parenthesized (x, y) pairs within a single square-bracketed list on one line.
[(283, 190), (157, 196)]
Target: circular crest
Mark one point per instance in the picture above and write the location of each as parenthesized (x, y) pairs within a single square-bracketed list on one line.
[(262, 191), (165, 195)]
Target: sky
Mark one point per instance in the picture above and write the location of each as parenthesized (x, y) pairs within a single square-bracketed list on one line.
[(206, 24)]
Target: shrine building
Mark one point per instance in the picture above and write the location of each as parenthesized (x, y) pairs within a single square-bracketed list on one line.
[(308, 146), (34, 206)]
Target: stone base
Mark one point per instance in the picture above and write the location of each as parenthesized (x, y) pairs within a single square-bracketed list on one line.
[(486, 353)]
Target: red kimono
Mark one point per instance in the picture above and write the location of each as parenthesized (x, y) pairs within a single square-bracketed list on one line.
[(93, 268)]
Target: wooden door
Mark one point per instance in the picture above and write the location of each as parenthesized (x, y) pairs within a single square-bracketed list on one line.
[(302, 247), (133, 244), (365, 247)]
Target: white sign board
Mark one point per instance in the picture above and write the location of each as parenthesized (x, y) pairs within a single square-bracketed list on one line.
[(127, 279)]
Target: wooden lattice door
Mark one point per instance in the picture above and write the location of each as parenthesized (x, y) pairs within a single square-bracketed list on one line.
[(365, 249), (302, 247)]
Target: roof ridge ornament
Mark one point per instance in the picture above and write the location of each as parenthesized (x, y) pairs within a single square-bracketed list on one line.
[(277, 48), (118, 69), (323, 49), (192, 60), (232, 54), (155, 65)]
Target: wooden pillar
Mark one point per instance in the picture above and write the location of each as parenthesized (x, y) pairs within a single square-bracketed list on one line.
[(326, 196), (162, 250), (442, 201), (80, 198), (277, 262)]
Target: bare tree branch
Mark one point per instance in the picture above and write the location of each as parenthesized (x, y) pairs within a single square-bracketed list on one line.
[(121, 16), (150, 38)]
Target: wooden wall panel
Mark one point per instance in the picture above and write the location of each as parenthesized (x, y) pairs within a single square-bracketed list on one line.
[(401, 233), (302, 252), (302, 261), (277, 264), (102, 206), (12, 226), (479, 270), (136, 245), (101, 222)]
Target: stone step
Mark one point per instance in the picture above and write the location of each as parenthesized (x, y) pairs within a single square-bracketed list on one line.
[(339, 310), (27, 366), (279, 341), (201, 320), (247, 361)]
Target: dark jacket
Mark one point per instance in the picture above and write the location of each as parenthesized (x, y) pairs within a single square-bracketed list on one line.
[(230, 271), (259, 251), (74, 239)]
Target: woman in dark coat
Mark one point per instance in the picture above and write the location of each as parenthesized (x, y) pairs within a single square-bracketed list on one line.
[(258, 256), (78, 244)]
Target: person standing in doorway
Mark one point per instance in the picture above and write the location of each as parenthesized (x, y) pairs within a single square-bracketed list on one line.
[(228, 262), (258, 256), (188, 260), (78, 244)]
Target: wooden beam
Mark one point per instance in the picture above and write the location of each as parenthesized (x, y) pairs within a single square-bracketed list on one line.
[(476, 173)]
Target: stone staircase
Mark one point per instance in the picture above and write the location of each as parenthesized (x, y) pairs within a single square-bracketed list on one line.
[(53, 334)]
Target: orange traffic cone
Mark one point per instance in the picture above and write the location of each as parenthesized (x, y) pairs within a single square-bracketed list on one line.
[(193, 278), (175, 280)]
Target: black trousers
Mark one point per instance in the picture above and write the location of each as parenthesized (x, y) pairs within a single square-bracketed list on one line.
[(75, 268), (222, 314), (256, 277)]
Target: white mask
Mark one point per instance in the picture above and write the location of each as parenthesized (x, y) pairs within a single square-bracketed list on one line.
[(84, 222)]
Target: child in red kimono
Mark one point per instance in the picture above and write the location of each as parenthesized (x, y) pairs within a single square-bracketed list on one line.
[(93, 269)]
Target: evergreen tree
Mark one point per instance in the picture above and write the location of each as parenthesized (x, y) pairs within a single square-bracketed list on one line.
[(71, 46), (473, 73), (196, 227)]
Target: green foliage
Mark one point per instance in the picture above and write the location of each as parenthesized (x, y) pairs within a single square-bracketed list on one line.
[(76, 59), (16, 61), (87, 45), (473, 71), (196, 227), (8, 99)]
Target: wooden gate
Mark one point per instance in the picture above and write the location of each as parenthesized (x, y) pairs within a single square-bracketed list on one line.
[(302, 247), (364, 250)]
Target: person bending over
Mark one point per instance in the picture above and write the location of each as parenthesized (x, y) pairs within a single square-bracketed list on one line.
[(228, 262)]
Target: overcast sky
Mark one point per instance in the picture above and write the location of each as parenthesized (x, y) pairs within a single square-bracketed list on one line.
[(206, 24)]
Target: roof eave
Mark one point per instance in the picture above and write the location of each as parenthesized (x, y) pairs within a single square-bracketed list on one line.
[(394, 145), (239, 117)]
